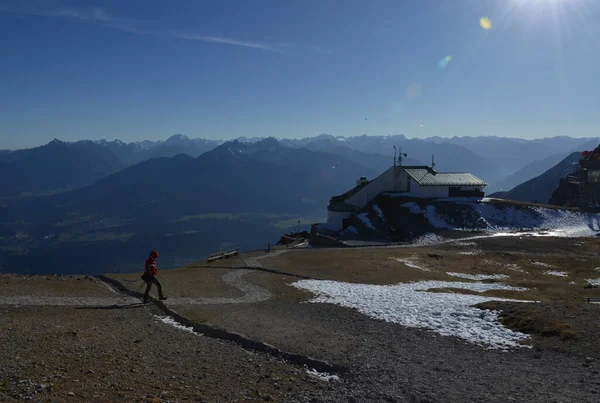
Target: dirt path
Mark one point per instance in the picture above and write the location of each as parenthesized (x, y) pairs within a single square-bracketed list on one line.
[(252, 294), (254, 261)]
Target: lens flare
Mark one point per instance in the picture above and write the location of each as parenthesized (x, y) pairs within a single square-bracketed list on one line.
[(485, 23), (444, 62)]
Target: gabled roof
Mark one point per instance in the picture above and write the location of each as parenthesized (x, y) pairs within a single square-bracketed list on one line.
[(349, 193), (427, 176), (342, 207)]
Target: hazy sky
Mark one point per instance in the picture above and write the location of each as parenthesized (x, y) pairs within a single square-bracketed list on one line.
[(141, 69)]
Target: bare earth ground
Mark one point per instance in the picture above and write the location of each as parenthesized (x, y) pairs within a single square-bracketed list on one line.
[(122, 353), (386, 361)]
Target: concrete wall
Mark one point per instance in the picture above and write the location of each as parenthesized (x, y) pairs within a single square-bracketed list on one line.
[(335, 220), (383, 183)]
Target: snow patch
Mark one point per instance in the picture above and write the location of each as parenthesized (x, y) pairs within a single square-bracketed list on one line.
[(594, 281), (323, 376), (365, 220), (378, 211), (466, 243), (470, 253), (542, 264), (170, 321), (351, 230), (478, 276), (428, 239), (556, 273), (504, 220), (444, 313), (514, 267), (509, 266), (410, 262)]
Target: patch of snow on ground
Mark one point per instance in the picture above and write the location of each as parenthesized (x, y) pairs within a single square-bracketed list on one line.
[(479, 276), (428, 239), (365, 220), (509, 266), (593, 281), (597, 269), (542, 264), (444, 313), (301, 245), (170, 321), (572, 282), (556, 273), (351, 230), (430, 213), (466, 244), (470, 253), (410, 262), (542, 221), (413, 207), (435, 219), (514, 267), (378, 211), (324, 376)]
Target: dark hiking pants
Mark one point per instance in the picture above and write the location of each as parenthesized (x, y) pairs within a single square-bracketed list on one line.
[(153, 280)]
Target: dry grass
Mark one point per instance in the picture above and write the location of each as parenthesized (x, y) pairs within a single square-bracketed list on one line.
[(577, 257)]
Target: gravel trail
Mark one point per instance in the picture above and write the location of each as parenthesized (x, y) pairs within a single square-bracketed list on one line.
[(254, 261), (252, 293)]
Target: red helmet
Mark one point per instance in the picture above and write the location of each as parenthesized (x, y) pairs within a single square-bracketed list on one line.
[(154, 254)]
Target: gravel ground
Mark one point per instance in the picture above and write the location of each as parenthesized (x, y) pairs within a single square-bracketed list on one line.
[(391, 363), (123, 353), (96, 354)]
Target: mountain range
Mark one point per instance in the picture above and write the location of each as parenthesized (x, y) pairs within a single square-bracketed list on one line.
[(64, 202), (55, 166), (502, 162), (540, 188)]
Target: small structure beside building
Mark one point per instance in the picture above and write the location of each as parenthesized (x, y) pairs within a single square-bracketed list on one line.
[(581, 188), (410, 181)]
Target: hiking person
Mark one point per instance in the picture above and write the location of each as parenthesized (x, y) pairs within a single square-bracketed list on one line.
[(150, 276)]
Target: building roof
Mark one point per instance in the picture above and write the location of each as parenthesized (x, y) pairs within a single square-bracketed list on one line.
[(342, 207), (349, 193), (427, 176)]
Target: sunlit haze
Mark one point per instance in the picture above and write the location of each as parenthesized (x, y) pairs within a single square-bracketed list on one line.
[(138, 70)]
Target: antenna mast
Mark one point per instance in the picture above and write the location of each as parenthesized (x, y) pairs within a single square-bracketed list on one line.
[(395, 175), (400, 155)]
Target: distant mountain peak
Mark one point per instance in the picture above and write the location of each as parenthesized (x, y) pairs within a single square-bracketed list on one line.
[(269, 142), (56, 142), (177, 138)]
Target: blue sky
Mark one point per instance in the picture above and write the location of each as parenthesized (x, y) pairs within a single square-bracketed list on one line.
[(142, 69)]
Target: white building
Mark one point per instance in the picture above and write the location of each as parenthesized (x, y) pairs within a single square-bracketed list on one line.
[(412, 181)]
